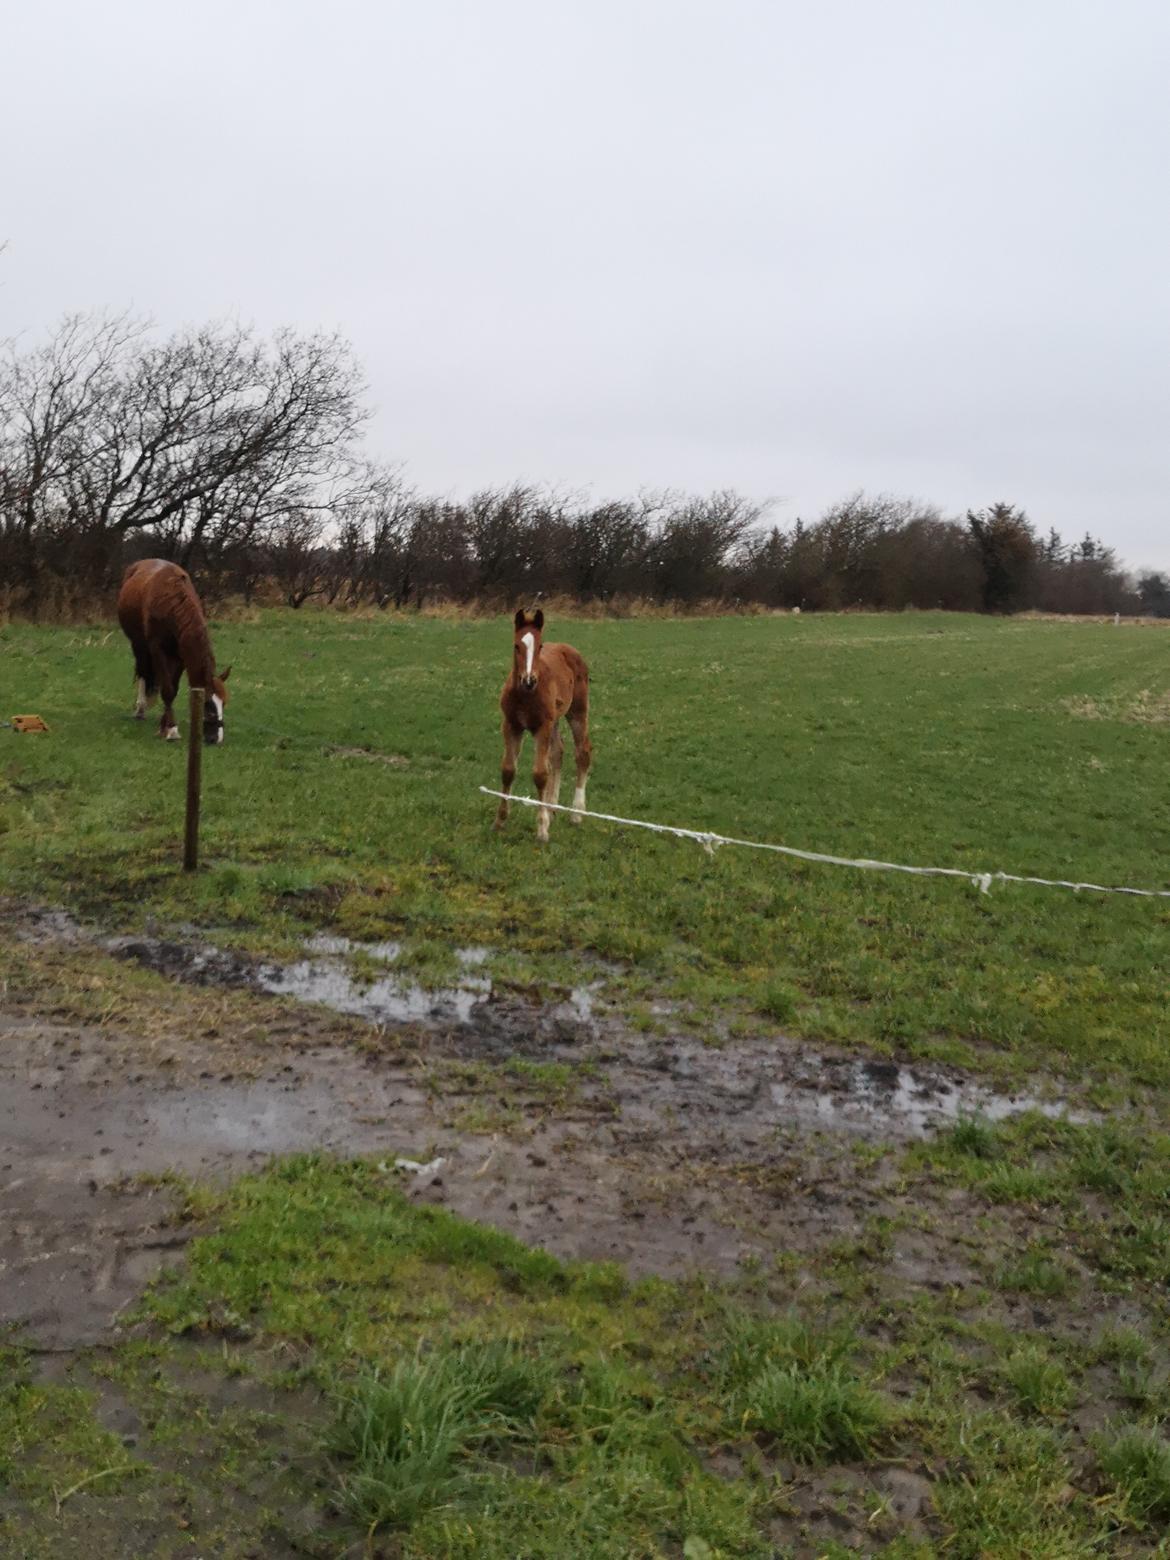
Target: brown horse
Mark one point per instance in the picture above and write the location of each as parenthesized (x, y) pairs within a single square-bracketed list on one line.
[(163, 619), (546, 682)]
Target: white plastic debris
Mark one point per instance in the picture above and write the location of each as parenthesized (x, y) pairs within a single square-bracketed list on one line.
[(416, 1167)]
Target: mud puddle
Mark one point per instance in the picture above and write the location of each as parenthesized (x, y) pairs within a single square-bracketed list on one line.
[(777, 1081), (84, 1223), (326, 977), (857, 1094), (661, 1153)]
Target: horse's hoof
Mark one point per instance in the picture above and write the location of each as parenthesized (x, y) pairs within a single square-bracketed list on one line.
[(139, 714), (172, 734), (576, 819)]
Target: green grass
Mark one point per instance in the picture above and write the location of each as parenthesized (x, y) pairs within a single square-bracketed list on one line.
[(822, 1414), (438, 1389), (1137, 1463), (974, 1136), (50, 1443), (406, 1437), (1106, 1184), (923, 738), (479, 1386), (799, 1391), (1039, 1383), (472, 1396)]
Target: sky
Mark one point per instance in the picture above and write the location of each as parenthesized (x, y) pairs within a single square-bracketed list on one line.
[(916, 246)]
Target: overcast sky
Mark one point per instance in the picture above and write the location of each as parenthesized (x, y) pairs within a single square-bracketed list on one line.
[(793, 248)]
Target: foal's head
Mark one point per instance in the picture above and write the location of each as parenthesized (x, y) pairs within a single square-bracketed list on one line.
[(526, 648), (213, 708)]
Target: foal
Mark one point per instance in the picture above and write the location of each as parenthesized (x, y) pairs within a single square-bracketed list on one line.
[(162, 617), (546, 682)]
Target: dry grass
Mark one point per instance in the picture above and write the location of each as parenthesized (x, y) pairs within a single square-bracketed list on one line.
[(394, 760), (1086, 618), (66, 607), (1145, 708)]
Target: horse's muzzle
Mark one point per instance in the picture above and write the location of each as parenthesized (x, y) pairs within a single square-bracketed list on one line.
[(528, 683)]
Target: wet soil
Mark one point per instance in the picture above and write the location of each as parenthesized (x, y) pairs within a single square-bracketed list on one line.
[(663, 1154)]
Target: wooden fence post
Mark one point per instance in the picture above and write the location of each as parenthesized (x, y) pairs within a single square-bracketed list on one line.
[(194, 777)]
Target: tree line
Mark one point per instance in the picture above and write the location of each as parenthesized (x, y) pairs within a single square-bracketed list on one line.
[(243, 459)]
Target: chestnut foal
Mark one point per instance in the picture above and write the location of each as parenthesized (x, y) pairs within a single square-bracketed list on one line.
[(546, 682)]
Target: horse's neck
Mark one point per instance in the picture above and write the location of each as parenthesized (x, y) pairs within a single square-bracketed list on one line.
[(195, 650)]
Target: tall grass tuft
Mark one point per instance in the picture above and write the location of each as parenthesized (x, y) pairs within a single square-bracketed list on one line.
[(407, 1436), (1137, 1464), (796, 1387)]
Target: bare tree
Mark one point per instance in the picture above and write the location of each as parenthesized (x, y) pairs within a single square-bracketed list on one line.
[(205, 439), (240, 457), (694, 541), (607, 547), (50, 401), (297, 557)]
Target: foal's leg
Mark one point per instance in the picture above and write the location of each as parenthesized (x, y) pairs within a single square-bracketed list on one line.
[(583, 751), (545, 766), (556, 755), (513, 736)]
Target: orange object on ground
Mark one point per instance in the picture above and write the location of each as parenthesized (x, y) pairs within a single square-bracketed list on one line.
[(28, 723)]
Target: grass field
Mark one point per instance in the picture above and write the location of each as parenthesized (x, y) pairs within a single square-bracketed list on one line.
[(336, 1369), (346, 796)]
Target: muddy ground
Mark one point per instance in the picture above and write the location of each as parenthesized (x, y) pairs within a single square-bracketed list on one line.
[(661, 1153)]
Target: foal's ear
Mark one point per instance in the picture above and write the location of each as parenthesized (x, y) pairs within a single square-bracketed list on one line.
[(520, 618), (538, 619), (225, 674)]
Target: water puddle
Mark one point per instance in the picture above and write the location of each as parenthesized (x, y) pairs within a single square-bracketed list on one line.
[(863, 1095), (743, 1085), (328, 978), (388, 1000)]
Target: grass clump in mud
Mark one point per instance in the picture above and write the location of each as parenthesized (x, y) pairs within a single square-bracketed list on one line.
[(405, 1440), (1137, 1464), (1107, 1184), (1039, 1383), (51, 1444), (798, 1390)]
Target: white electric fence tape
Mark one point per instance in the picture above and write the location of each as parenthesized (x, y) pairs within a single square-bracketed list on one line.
[(709, 841)]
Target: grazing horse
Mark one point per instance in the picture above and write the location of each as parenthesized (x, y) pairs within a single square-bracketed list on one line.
[(546, 682), (162, 617)]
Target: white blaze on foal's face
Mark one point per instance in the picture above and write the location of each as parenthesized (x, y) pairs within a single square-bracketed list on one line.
[(529, 643)]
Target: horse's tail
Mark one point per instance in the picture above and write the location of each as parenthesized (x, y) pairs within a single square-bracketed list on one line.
[(144, 670)]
